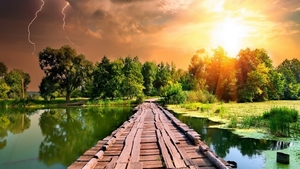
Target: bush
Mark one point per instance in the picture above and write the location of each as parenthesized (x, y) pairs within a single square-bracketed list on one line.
[(286, 114), (280, 119), (202, 96)]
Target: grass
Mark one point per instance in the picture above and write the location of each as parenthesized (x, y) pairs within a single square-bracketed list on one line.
[(58, 102), (241, 116)]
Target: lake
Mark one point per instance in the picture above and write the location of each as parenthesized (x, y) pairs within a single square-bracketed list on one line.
[(247, 152), (54, 138)]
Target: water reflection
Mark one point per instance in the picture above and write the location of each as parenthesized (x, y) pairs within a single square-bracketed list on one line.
[(14, 122), (231, 146), (54, 138), (68, 132)]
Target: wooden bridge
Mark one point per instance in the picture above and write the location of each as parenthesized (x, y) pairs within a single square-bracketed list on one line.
[(151, 138)]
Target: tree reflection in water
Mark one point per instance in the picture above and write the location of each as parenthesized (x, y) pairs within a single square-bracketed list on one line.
[(69, 132), (14, 121), (221, 140)]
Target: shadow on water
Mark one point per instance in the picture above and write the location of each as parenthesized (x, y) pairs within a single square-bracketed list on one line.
[(244, 151)]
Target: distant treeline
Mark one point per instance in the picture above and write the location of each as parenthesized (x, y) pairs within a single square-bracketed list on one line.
[(249, 77)]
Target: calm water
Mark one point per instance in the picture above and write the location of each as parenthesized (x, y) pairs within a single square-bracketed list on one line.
[(53, 138), (245, 151)]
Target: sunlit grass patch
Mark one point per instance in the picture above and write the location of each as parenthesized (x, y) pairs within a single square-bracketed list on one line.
[(239, 115)]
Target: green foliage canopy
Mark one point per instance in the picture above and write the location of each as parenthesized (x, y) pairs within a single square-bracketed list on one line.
[(65, 67)]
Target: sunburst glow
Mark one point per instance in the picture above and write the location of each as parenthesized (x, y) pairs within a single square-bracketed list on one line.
[(230, 34)]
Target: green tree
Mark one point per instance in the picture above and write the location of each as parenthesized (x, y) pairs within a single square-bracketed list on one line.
[(108, 78), (3, 69), (276, 85), (4, 89), (163, 76), (290, 70), (254, 75), (101, 77), (132, 84), (172, 93), (14, 80), (149, 71), (197, 70), (113, 88), (48, 89), (185, 79), (256, 86), (65, 67)]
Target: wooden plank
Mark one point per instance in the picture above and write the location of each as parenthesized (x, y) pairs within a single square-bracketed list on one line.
[(135, 165), (128, 145), (91, 164), (179, 163), (84, 158), (170, 133), (135, 155), (188, 161), (151, 157), (152, 164), (76, 165), (164, 151), (112, 163)]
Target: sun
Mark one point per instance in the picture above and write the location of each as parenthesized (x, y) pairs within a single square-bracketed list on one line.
[(229, 34)]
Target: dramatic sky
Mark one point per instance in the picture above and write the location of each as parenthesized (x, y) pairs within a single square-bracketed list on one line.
[(160, 30)]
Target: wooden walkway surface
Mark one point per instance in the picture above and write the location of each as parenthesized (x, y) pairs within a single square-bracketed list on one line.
[(151, 138)]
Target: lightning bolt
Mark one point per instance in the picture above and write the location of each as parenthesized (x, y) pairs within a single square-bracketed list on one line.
[(64, 22), (36, 14)]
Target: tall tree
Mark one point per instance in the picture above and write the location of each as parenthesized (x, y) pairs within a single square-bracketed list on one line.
[(132, 84), (65, 67), (254, 75), (15, 79), (214, 69), (197, 70), (116, 77), (163, 76), (149, 71), (100, 77)]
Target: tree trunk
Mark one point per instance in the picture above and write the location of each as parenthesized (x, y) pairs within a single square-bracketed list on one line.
[(68, 96)]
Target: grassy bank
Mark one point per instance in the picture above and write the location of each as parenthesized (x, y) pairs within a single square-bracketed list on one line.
[(251, 120), (242, 117), (60, 102)]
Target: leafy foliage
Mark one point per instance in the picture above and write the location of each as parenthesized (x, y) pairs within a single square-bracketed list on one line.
[(64, 67), (15, 79)]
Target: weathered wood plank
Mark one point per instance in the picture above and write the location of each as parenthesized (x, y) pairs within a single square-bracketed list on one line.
[(164, 151), (135, 155), (177, 160)]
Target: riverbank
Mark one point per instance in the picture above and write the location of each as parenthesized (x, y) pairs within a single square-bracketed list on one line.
[(234, 114), (60, 102)]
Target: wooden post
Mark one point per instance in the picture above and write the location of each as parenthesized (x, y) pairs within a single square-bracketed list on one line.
[(283, 158)]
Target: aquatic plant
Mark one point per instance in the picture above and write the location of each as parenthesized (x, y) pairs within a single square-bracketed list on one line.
[(251, 121), (233, 121), (279, 120)]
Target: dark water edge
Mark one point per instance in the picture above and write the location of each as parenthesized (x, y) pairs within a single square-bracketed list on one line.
[(247, 152)]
